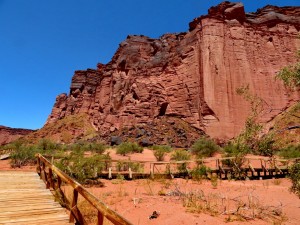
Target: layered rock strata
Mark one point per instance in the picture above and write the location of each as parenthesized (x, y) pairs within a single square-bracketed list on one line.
[(8, 134), (191, 76)]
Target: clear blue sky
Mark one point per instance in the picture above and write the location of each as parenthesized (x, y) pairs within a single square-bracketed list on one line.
[(42, 43)]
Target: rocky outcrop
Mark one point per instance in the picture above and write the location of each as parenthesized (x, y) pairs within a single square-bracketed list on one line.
[(191, 77), (8, 134)]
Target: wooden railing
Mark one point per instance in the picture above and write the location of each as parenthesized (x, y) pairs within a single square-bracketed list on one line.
[(256, 166), (6, 151), (53, 178)]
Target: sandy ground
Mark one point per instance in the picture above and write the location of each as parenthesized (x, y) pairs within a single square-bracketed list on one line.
[(136, 200)]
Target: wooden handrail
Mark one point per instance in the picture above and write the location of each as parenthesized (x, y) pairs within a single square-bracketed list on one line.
[(4, 151), (103, 210)]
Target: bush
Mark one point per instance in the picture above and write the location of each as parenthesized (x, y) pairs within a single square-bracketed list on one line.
[(290, 75), (295, 178), (292, 151), (160, 151), (98, 148), (204, 147), (200, 172), (87, 146), (238, 152), (45, 144), (83, 168), (135, 166), (159, 154), (129, 147), (24, 155), (265, 146), (80, 147), (13, 145), (180, 155), (233, 149)]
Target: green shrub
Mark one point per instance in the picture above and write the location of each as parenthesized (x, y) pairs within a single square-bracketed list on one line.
[(292, 151), (233, 149), (166, 148), (83, 168), (75, 147), (13, 145), (98, 148), (88, 146), (200, 172), (265, 146), (290, 75), (159, 154), (160, 151), (129, 147), (77, 151), (238, 152), (45, 144), (80, 147), (295, 178), (24, 155), (121, 166), (135, 166), (205, 147), (180, 155)]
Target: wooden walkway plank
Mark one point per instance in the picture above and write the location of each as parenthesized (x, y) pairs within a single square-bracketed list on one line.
[(24, 200)]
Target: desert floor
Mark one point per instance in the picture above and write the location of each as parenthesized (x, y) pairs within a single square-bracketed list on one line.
[(184, 201)]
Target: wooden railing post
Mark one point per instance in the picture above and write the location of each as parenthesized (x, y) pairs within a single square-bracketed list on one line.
[(152, 170), (100, 218), (73, 205), (130, 173), (50, 180), (38, 167), (109, 173), (44, 174), (58, 182)]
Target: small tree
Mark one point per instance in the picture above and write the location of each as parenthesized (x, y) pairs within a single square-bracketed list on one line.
[(291, 151), (181, 155), (129, 147), (265, 146), (45, 144), (290, 75), (238, 151), (250, 135), (205, 147), (295, 178), (160, 151)]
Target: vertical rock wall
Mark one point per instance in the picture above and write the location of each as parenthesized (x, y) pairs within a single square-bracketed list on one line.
[(191, 76)]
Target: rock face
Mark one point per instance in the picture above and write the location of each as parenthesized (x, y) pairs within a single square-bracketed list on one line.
[(8, 134), (191, 77)]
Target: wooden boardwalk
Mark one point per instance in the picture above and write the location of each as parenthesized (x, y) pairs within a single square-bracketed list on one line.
[(25, 200)]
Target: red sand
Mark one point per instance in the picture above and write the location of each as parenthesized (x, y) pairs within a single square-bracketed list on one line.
[(136, 200)]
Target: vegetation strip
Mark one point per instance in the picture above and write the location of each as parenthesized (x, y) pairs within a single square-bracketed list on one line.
[(78, 188)]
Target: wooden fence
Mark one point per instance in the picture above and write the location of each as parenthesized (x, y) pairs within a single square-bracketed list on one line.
[(251, 167), (53, 178), (5, 153)]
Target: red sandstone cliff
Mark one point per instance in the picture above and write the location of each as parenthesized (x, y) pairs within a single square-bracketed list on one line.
[(191, 77), (8, 134)]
